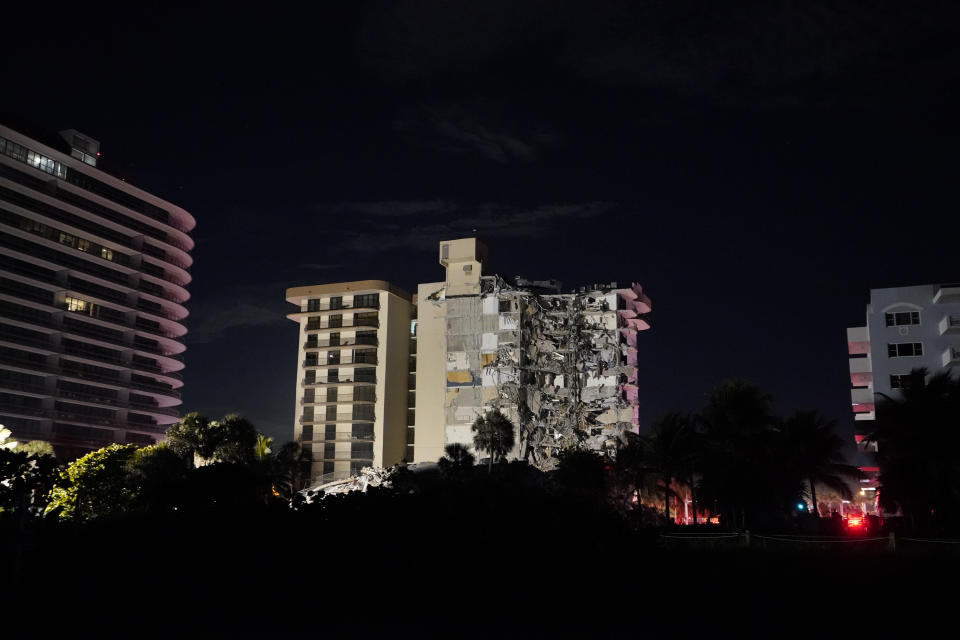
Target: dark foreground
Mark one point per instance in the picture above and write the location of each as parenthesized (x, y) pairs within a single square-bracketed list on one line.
[(461, 573)]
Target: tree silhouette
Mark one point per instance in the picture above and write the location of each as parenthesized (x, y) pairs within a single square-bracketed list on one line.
[(671, 449), (493, 433), (457, 459), (816, 453), (917, 437)]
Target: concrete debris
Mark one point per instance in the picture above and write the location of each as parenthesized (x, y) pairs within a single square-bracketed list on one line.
[(367, 477), (564, 366)]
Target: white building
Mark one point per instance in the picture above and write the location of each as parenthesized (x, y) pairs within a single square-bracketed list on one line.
[(906, 328), (93, 277)]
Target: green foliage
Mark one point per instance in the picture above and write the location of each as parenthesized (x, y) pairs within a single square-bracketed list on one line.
[(25, 481), (36, 447), (231, 439), (95, 485), (261, 448), (155, 476)]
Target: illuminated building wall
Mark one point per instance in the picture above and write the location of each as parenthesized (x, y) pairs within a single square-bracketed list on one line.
[(93, 277), (906, 328), (353, 365)]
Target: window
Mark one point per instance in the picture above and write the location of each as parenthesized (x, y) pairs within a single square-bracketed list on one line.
[(83, 245), (366, 300), (902, 318), (504, 306), (313, 304), (335, 321), (336, 302), (468, 268), (67, 239), (76, 304), (106, 254), (444, 252), (901, 381), (905, 349)]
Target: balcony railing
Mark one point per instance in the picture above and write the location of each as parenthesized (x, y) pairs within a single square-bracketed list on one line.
[(361, 322), (344, 306), (342, 342)]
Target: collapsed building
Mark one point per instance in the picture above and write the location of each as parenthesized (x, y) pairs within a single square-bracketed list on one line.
[(561, 366)]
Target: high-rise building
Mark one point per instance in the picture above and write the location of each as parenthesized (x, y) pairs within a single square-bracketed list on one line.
[(906, 328), (93, 277), (561, 366), (353, 367)]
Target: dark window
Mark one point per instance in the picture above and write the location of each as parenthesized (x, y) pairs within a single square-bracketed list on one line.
[(331, 413), (313, 304), (902, 318), (335, 321), (363, 412), (306, 434), (336, 302), (905, 349), (333, 357), (335, 339), (364, 394), (366, 300), (504, 306), (332, 394)]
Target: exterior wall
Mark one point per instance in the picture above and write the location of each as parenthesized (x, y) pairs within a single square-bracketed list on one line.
[(431, 372), (93, 276), (395, 358), (939, 332), (871, 366), (340, 331)]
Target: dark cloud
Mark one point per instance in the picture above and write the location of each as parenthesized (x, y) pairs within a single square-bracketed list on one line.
[(475, 130), (371, 229), (243, 307)]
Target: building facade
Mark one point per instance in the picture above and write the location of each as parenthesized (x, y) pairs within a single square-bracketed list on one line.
[(353, 380), (906, 328), (93, 277), (561, 366)]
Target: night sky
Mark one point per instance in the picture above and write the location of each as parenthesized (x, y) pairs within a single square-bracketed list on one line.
[(758, 169)]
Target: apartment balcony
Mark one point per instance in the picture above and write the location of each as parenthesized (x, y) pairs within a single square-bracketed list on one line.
[(950, 324), (359, 323), (951, 356), (862, 400), (342, 343), (339, 362), (336, 381), (946, 293), (861, 372), (321, 308), (858, 341)]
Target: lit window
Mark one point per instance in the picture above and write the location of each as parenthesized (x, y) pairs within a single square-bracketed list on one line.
[(76, 304), (83, 245), (106, 254), (67, 239)]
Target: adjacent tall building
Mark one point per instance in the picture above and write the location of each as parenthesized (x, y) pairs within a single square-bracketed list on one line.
[(93, 277), (906, 328), (353, 366), (561, 366)]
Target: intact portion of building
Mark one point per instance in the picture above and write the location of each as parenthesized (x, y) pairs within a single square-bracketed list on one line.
[(906, 328), (93, 277), (562, 367), (353, 368)]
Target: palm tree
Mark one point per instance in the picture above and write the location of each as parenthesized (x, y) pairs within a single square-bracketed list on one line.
[(493, 433), (737, 429), (457, 458), (670, 449), (815, 452), (917, 437), (261, 448)]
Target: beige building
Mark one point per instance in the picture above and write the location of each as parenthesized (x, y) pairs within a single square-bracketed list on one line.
[(353, 366)]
